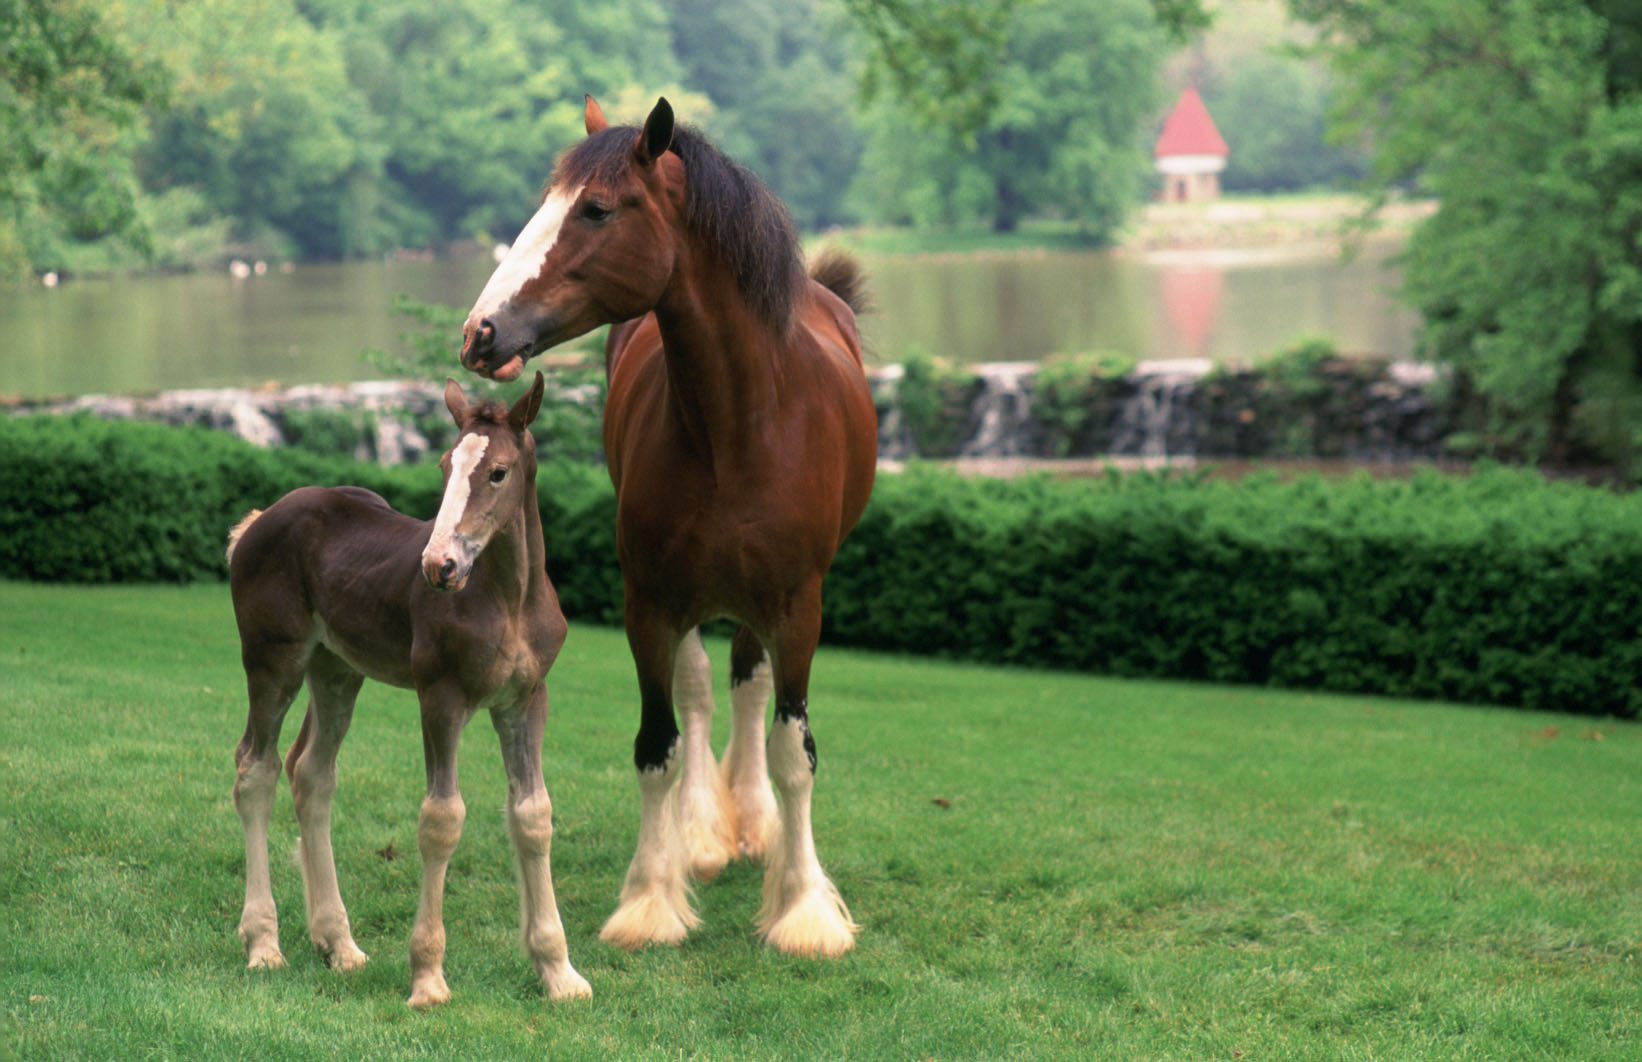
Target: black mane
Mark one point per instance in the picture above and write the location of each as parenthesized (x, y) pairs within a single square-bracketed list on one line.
[(726, 206)]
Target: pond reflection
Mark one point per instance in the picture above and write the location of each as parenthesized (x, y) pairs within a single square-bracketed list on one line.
[(311, 325)]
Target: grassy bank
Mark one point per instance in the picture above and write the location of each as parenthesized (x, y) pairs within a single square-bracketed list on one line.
[(1298, 222), (1044, 865)]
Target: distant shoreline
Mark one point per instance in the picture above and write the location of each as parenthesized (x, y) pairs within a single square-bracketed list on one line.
[(1255, 227)]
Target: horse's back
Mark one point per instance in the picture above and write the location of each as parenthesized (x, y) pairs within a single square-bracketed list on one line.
[(336, 556)]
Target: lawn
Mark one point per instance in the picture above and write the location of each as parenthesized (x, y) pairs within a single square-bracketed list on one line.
[(1044, 866)]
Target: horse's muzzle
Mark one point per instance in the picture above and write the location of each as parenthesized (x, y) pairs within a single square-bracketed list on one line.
[(484, 353), (445, 574)]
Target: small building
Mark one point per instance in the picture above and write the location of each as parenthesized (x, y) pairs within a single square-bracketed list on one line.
[(1190, 152)]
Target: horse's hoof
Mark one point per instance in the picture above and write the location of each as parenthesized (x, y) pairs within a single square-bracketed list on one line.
[(265, 959), (345, 957), (568, 984), (705, 866), (428, 991), (817, 926), (648, 918), (756, 835)]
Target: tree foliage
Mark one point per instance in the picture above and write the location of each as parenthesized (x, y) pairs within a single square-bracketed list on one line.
[(1525, 120), (1052, 126), (69, 102), (335, 128)]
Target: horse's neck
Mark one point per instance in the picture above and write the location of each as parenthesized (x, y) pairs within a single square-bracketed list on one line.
[(513, 561), (721, 359)]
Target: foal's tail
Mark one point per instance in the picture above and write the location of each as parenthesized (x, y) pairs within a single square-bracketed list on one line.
[(841, 274), (239, 529)]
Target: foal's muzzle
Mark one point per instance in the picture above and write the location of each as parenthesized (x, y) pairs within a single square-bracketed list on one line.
[(448, 570)]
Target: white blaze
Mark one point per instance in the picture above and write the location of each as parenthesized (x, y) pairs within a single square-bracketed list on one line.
[(446, 542), (524, 259)]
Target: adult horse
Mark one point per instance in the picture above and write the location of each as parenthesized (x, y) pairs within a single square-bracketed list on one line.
[(331, 585), (741, 437)]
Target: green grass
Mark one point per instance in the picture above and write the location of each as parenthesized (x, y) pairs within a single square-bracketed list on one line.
[(1044, 866)]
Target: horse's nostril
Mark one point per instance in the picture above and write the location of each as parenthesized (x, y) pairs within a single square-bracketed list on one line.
[(487, 333), (446, 570)]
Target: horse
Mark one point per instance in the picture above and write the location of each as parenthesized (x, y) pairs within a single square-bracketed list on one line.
[(741, 437), (331, 585)]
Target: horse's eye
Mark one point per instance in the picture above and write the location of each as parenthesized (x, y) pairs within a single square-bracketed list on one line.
[(593, 212), (498, 474)]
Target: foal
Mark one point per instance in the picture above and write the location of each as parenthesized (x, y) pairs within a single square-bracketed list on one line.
[(332, 585)]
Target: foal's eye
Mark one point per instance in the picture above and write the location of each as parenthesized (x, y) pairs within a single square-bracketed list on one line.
[(498, 474), (594, 212)]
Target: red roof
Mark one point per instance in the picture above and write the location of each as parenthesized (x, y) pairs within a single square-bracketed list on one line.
[(1189, 130)]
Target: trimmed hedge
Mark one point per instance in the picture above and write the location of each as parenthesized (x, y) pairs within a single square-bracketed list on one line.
[(1499, 587)]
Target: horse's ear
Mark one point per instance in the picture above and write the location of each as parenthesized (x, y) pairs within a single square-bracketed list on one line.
[(657, 135), (525, 409), (594, 117), (456, 401)]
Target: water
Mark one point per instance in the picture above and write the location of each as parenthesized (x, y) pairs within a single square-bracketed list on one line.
[(151, 333)]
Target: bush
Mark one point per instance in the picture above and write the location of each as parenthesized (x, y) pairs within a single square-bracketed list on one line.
[(88, 500), (1500, 587)]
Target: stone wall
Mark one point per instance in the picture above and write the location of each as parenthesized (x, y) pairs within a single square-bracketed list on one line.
[(1341, 409)]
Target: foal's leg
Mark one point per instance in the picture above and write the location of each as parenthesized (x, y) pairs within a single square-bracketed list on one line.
[(272, 679), (703, 799), (530, 821), (438, 828), (655, 895), (802, 913), (752, 801), (311, 764)]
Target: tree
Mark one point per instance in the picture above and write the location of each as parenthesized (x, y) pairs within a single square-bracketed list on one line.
[(261, 120), (70, 99), (779, 74), (1065, 98), (1525, 121)]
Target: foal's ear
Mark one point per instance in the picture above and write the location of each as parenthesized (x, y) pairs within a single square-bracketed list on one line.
[(657, 135), (525, 409), (594, 117), (456, 400)]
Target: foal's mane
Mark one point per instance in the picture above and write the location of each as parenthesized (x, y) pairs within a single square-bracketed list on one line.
[(487, 411), (726, 206)]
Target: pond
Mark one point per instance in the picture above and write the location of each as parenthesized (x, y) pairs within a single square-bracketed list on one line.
[(310, 324)]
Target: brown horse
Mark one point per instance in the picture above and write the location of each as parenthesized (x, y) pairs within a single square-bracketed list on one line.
[(742, 439), (332, 585)]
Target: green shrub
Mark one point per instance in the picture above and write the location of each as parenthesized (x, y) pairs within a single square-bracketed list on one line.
[(1500, 587), (934, 399), (88, 500), (1071, 391)]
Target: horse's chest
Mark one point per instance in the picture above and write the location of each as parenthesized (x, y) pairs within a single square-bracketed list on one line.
[(713, 557), (498, 659)]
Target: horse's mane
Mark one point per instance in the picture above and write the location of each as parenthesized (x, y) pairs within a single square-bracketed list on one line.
[(486, 411), (726, 206)]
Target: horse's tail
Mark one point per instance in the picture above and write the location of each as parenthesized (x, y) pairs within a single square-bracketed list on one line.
[(841, 274), (238, 529)]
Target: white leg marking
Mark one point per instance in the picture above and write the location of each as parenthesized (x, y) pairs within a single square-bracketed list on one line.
[(312, 789), (438, 828), (703, 799), (259, 922), (802, 912), (530, 821), (757, 821), (655, 896), (524, 259)]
